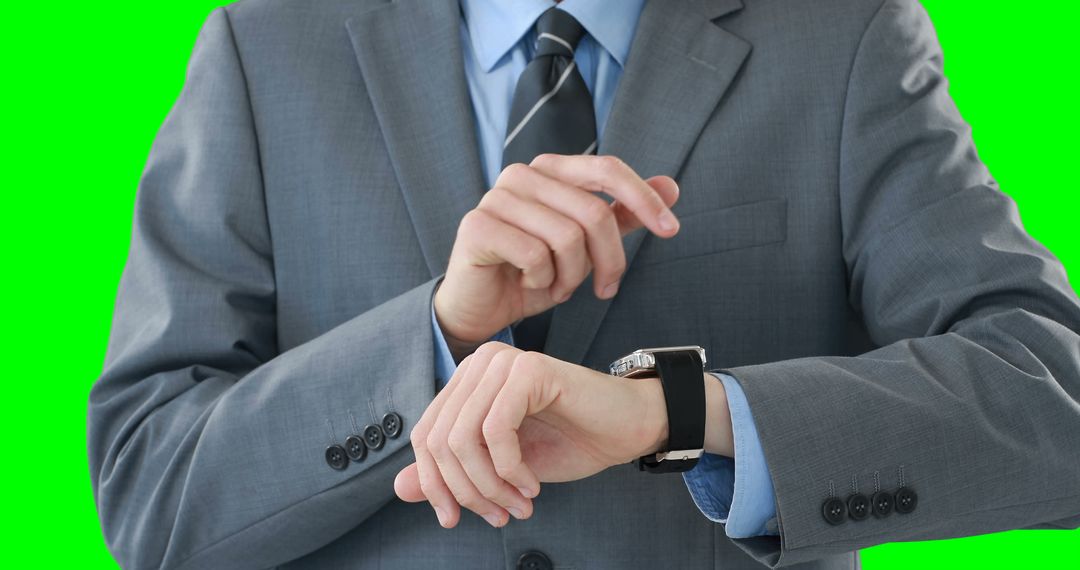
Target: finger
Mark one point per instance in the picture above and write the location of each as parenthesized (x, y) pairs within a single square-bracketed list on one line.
[(514, 401), (491, 241), (464, 491), (562, 235), (466, 440), (430, 481), (437, 492), (665, 186), (612, 176), (407, 485), (593, 214)]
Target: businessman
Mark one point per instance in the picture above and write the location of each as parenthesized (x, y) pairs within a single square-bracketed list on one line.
[(385, 250)]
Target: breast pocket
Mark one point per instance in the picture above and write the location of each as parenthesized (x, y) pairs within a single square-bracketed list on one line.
[(724, 229)]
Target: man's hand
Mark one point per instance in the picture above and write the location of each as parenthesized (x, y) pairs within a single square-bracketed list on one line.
[(536, 235), (509, 420)]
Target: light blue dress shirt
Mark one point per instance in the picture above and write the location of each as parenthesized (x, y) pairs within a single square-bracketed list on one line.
[(498, 41)]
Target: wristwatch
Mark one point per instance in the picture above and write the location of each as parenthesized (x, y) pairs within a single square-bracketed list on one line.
[(679, 369)]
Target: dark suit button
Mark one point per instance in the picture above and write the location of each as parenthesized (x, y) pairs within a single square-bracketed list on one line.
[(834, 511), (391, 424), (336, 458), (534, 560), (881, 503), (355, 448), (374, 437), (858, 506), (905, 499)]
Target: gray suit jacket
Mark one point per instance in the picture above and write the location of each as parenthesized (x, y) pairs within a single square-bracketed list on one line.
[(843, 254)]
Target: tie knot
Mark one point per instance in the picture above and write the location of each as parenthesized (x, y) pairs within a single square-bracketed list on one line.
[(557, 33)]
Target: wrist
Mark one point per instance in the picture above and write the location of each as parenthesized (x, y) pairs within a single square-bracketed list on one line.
[(654, 432), (718, 432), (654, 422), (461, 341)]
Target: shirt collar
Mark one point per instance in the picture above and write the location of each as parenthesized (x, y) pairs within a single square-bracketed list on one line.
[(495, 26)]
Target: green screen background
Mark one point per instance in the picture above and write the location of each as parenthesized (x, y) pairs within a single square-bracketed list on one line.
[(87, 86)]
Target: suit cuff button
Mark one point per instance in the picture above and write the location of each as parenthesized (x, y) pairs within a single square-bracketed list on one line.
[(373, 436), (882, 503), (355, 448), (336, 458), (834, 511), (392, 424), (905, 500), (858, 506)]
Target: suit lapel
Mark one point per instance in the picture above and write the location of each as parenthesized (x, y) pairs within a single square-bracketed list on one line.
[(410, 55), (680, 65)]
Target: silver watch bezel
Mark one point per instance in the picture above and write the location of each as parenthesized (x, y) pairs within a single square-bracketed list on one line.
[(640, 361)]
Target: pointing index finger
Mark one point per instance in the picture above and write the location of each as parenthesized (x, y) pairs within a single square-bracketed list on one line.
[(612, 176)]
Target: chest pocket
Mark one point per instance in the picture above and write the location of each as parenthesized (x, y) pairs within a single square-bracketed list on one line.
[(718, 230)]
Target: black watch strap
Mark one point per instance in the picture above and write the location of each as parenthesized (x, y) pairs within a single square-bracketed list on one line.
[(684, 395)]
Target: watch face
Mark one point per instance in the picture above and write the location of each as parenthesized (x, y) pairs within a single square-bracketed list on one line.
[(698, 349)]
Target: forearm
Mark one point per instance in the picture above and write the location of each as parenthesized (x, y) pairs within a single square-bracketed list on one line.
[(206, 454), (1004, 424)]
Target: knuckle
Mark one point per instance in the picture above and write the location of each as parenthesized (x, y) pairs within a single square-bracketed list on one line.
[(490, 427), (490, 491), (512, 172), (471, 500), (459, 442), (418, 439), (473, 221), (466, 495), (491, 198), (611, 164), (535, 257), (488, 349), (618, 266), (427, 487), (528, 363), (570, 238), (544, 159), (503, 470), (436, 445), (596, 213), (502, 357)]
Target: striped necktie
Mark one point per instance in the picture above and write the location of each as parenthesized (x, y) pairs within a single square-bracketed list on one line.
[(553, 112), (552, 109)]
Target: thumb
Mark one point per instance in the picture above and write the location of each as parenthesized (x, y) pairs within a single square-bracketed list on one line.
[(407, 485), (665, 187)]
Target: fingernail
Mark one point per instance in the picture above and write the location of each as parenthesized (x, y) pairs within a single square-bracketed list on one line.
[(493, 519), (441, 514), (527, 493), (564, 297), (516, 512), (610, 290), (668, 222)]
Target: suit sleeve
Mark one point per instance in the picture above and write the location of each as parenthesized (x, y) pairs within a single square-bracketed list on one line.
[(444, 360), (207, 444), (973, 399)]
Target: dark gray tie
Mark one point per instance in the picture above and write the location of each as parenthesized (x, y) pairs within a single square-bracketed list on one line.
[(552, 111)]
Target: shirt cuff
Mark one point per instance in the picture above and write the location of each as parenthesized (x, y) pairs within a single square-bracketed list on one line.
[(444, 361), (736, 492)]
